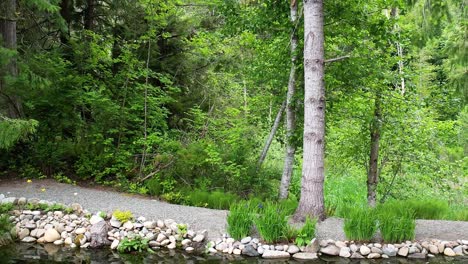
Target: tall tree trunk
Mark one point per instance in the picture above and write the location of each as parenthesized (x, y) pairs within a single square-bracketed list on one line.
[(89, 14), (8, 31), (312, 202), (373, 172), (271, 135), (65, 12), (290, 111)]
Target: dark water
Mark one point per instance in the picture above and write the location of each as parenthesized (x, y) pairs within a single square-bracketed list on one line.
[(49, 253)]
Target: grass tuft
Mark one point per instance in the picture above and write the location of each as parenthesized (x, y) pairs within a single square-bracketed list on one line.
[(360, 223), (240, 220), (272, 222)]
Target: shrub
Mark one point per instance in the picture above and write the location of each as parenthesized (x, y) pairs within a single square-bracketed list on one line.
[(396, 226), (239, 220), (221, 200), (360, 224), (198, 198), (134, 244), (306, 233), (154, 186), (174, 197), (6, 207), (5, 224), (272, 222), (123, 216)]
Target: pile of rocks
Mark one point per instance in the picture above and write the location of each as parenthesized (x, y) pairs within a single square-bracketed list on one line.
[(347, 249), (81, 229)]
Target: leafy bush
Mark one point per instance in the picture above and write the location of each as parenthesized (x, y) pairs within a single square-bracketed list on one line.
[(272, 222), (123, 216), (396, 226), (306, 233), (5, 208), (134, 244), (240, 220), (174, 197), (5, 224), (360, 224)]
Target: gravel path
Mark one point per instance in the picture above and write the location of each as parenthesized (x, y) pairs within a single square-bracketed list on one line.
[(104, 200), (197, 218)]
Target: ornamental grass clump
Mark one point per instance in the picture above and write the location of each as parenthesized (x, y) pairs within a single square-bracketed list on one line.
[(360, 223), (240, 220), (272, 222), (396, 226)]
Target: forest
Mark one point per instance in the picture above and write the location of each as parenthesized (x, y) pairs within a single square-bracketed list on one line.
[(206, 102)]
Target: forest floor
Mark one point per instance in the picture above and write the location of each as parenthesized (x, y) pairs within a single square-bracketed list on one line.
[(214, 221)]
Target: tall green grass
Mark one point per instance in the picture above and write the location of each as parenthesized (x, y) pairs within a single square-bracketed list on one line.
[(272, 222), (360, 223), (240, 220), (396, 225), (457, 213)]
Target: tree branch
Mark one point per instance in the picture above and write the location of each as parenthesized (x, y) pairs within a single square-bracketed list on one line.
[(337, 59)]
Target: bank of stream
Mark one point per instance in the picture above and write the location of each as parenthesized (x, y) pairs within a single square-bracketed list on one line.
[(50, 253)]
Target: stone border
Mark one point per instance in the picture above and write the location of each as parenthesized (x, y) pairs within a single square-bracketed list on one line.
[(81, 229)]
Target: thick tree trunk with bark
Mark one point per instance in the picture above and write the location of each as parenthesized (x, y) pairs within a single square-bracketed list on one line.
[(271, 135), (312, 202), (89, 14), (8, 35), (290, 111), (373, 172)]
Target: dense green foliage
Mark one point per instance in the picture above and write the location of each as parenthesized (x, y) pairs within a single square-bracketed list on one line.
[(175, 99), (134, 244), (306, 233)]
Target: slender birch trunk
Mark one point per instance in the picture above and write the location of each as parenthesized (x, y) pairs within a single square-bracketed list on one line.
[(311, 202), (271, 135), (290, 113), (373, 173)]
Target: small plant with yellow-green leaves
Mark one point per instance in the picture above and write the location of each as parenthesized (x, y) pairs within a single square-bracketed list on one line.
[(123, 216)]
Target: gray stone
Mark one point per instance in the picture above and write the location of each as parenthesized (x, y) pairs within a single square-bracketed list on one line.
[(23, 232), (433, 249), (190, 249), (356, 255), (128, 225), (376, 250), (458, 250), (51, 235), (403, 251), (389, 250), (172, 245), (186, 242), (22, 201), (236, 251), (313, 247), (115, 244), (250, 251), (11, 200), (364, 250), (99, 234), (160, 237), (417, 256), (149, 224), (275, 254), (293, 249), (260, 250), (330, 250), (305, 256), (340, 244), (58, 242), (246, 240), (28, 239), (221, 246), (80, 230), (345, 252), (449, 252), (115, 223), (373, 256), (413, 249), (198, 238), (95, 219)]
